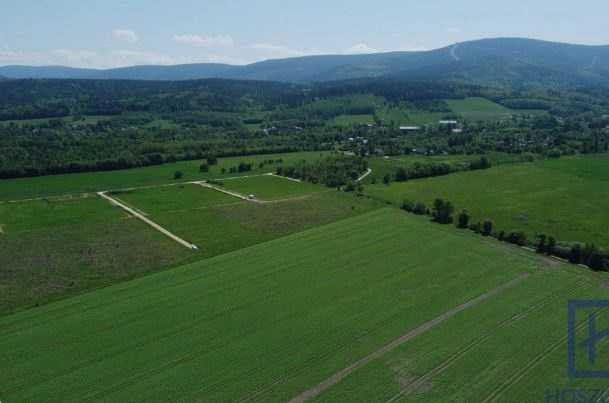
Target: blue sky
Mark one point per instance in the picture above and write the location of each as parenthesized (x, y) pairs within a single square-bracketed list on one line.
[(112, 33)]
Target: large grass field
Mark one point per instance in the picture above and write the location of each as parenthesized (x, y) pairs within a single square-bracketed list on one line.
[(268, 322), (476, 109), (389, 165), (53, 249), (272, 187), (510, 349), (564, 198), (218, 223), (47, 186)]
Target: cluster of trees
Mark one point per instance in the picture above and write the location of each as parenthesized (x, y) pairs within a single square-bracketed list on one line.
[(577, 253), (334, 171), (428, 170)]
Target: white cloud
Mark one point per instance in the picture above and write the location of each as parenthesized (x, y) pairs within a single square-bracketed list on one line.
[(126, 35), (271, 51), (361, 48), (91, 59), (205, 40)]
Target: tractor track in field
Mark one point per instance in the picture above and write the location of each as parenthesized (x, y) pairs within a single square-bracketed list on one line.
[(423, 328), (415, 385), (498, 392), (516, 377)]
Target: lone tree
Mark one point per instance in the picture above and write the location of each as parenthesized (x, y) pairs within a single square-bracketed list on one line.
[(597, 261), (387, 179), (463, 219), (204, 167), (212, 160), (442, 211), (178, 175), (542, 243), (487, 228), (551, 246), (575, 255)]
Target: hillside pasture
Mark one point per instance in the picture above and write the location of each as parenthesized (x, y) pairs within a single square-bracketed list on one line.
[(477, 109), (274, 319)]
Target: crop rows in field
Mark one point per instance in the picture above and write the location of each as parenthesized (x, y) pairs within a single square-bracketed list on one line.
[(264, 322)]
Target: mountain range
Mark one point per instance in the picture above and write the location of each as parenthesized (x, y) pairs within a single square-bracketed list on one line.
[(503, 60)]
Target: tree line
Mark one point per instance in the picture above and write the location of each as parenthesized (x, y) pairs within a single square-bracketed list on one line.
[(442, 212)]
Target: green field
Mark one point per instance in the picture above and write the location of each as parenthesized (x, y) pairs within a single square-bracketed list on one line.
[(271, 187), (476, 109), (350, 120), (511, 349), (16, 189), (267, 322), (218, 223), (564, 198), (51, 250)]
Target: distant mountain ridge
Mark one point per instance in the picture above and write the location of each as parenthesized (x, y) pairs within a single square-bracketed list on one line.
[(503, 60)]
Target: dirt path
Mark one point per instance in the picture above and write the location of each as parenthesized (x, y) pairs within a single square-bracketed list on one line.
[(232, 178), (364, 176), (151, 223), (339, 376), (285, 177), (228, 192)]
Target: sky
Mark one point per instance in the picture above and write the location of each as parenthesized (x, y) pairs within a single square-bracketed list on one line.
[(116, 33)]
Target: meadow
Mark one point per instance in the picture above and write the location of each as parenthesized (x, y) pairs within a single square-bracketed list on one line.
[(267, 322), (471, 109), (57, 185), (54, 249), (271, 187), (477, 109), (564, 198), (218, 223)]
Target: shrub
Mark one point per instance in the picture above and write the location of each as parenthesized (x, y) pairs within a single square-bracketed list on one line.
[(463, 219), (408, 205), (517, 237), (420, 209), (442, 211), (487, 228)]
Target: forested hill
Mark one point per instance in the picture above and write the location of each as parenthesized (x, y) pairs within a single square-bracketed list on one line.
[(509, 60), (53, 98)]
